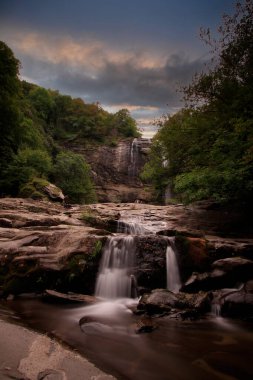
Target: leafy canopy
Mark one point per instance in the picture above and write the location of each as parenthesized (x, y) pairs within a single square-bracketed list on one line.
[(72, 174), (208, 146)]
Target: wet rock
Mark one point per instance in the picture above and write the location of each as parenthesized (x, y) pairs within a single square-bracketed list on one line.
[(234, 264), (145, 325), (4, 222), (159, 300), (151, 261), (189, 314), (181, 232), (181, 305), (205, 281), (200, 302), (47, 247), (249, 287), (90, 324), (51, 374), (239, 304), (71, 297), (226, 273), (221, 248)]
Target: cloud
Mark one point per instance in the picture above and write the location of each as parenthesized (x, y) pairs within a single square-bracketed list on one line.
[(146, 82), (130, 83)]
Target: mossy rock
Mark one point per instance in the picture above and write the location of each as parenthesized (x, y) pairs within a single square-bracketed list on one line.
[(41, 189), (34, 189)]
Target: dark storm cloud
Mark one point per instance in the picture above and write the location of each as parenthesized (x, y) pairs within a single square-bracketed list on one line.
[(127, 83), (133, 53), (117, 20)]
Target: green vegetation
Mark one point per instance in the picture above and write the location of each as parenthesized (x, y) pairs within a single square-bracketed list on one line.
[(205, 151), (36, 125), (96, 250), (72, 174)]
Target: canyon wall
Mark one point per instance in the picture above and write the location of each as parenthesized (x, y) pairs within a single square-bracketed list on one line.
[(116, 169)]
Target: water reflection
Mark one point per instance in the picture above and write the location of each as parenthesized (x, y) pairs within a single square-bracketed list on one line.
[(207, 349)]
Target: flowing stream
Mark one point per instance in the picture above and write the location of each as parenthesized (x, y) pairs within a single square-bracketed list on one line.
[(199, 350), (105, 332)]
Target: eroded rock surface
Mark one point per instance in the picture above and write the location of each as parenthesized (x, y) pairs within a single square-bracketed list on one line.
[(46, 246), (162, 301)]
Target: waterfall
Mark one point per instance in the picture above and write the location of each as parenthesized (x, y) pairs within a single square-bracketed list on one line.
[(131, 228), (132, 170), (216, 309), (116, 278), (173, 276)]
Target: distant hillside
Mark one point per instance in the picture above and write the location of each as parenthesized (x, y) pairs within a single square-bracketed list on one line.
[(35, 125)]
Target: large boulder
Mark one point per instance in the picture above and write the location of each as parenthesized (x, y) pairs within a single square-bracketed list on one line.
[(226, 273), (151, 262), (239, 303), (161, 301), (232, 264), (40, 188), (54, 193)]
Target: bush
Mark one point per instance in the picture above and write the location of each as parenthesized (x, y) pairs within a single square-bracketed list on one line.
[(72, 174)]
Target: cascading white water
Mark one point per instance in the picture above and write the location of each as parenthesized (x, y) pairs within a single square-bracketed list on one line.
[(116, 278), (173, 276), (133, 158), (131, 228), (216, 309)]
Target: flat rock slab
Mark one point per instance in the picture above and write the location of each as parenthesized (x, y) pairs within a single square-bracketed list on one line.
[(31, 356), (72, 297)]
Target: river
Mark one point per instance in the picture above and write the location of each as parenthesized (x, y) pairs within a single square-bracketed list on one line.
[(211, 348)]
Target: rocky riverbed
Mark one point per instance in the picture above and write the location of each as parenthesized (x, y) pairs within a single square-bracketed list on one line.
[(27, 355), (47, 245)]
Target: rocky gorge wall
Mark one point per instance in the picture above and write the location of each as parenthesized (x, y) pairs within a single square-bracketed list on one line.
[(116, 169)]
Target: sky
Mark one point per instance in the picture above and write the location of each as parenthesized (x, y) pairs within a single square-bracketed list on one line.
[(132, 54)]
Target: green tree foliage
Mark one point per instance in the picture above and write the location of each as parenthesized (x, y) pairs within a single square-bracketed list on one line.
[(209, 144), (26, 165), (72, 174), (9, 111), (125, 124), (156, 169), (43, 103)]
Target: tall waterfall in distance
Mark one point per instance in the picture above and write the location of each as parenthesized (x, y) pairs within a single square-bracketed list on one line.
[(116, 278), (133, 158), (173, 276)]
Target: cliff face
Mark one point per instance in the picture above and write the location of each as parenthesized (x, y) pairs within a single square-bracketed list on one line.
[(116, 169)]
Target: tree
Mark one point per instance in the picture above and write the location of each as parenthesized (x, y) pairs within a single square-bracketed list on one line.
[(209, 144), (9, 111), (125, 124), (227, 86), (72, 174), (26, 165)]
